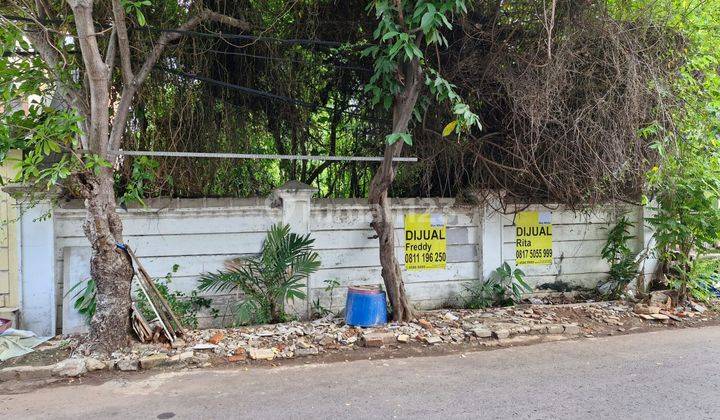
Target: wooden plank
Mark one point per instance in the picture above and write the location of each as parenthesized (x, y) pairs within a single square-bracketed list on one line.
[(323, 220), (190, 265), (225, 243), (372, 275), (568, 232), (170, 323), (181, 245), (168, 224), (567, 266), (587, 280), (568, 249), (368, 257), (355, 276), (446, 293), (566, 217), (353, 239)]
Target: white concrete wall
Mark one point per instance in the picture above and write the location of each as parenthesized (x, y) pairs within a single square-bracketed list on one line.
[(578, 238), (349, 251), (200, 235)]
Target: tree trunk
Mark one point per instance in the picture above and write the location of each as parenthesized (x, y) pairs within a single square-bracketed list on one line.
[(110, 266), (380, 207)]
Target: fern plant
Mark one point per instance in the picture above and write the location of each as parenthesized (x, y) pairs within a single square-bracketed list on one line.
[(268, 280)]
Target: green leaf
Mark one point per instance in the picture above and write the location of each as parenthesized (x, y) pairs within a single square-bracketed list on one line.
[(427, 21), (140, 18), (449, 128), (405, 137)]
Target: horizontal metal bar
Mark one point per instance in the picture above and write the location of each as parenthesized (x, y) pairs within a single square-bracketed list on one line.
[(254, 156)]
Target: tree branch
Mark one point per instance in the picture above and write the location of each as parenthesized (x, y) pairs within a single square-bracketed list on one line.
[(110, 53), (123, 42), (131, 88), (97, 72)]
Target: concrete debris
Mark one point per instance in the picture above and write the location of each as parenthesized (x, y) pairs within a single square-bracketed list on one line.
[(643, 309), (432, 339), (92, 364), (698, 307), (500, 334), (312, 351), (378, 339), (571, 329), (482, 332), (555, 329), (153, 361), (178, 344), (485, 327), (70, 368), (450, 317), (661, 300), (261, 354), (216, 338), (425, 324), (205, 346), (26, 373), (128, 364)]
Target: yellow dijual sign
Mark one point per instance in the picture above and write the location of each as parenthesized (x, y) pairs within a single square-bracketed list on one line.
[(533, 238), (425, 243)]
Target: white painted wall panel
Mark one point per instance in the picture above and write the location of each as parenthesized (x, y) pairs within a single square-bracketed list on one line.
[(200, 235)]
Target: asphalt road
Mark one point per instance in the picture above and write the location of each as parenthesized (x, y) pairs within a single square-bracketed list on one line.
[(668, 374)]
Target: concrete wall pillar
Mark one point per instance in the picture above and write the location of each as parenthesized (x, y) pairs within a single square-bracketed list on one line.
[(491, 242), (296, 205), (37, 274), (646, 241)]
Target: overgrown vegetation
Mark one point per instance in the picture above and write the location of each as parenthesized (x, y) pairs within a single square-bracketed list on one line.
[(619, 253), (269, 280), (684, 188), (185, 307), (704, 280), (580, 103), (505, 287), (84, 298), (318, 309)]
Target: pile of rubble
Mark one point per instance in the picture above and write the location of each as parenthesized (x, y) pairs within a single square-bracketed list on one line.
[(201, 348), (660, 306), (489, 327)]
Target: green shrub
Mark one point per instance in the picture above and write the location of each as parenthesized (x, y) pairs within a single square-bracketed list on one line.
[(623, 267), (268, 280), (704, 279), (318, 310), (185, 307), (84, 298), (504, 288)]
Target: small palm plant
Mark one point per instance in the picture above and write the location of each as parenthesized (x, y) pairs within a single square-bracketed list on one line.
[(267, 280)]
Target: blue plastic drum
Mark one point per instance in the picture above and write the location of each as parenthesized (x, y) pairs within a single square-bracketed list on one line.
[(365, 307)]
